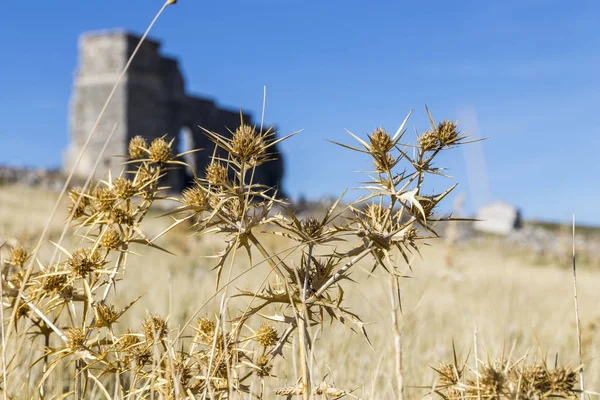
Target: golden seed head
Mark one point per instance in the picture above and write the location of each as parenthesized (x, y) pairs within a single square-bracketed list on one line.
[(138, 357), (563, 380), (137, 147), (429, 141), (23, 310), (75, 338), (74, 194), (145, 175), (447, 132), (247, 144), (54, 283), (449, 374), (104, 198), (266, 335), (311, 227), (111, 239), (105, 315), (83, 262), (134, 353), (128, 341), (154, 327), (121, 216), (194, 197), (205, 325), (384, 162), (18, 256), (160, 151), (264, 363), (123, 188), (381, 142), (206, 329), (78, 211), (216, 174), (492, 381)]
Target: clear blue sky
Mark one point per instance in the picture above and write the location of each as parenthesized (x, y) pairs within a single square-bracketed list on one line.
[(525, 73)]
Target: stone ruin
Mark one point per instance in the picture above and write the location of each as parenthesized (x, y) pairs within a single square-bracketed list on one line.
[(151, 101)]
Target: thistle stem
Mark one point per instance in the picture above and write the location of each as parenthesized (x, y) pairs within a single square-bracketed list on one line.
[(395, 298), (303, 336), (338, 275)]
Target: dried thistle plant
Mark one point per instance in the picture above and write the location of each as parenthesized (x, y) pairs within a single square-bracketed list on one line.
[(506, 379), (67, 302)]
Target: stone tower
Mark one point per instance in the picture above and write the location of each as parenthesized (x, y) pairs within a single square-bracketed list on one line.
[(151, 101)]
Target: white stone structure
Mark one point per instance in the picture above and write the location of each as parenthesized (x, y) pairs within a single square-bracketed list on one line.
[(499, 218)]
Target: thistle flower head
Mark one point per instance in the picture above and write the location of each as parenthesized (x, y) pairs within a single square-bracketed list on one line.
[(266, 335), (121, 216), (384, 162), (381, 141), (111, 239), (54, 283), (429, 141), (492, 381), (105, 315), (134, 353), (160, 151), (74, 207), (144, 176), (449, 374), (264, 365), (247, 143), (562, 380), (18, 256), (75, 338), (104, 198), (447, 132), (123, 188), (154, 326), (206, 329), (83, 262), (195, 198), (137, 147), (311, 227), (216, 174), (23, 310)]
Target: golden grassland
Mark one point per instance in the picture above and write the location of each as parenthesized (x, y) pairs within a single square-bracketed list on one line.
[(511, 305)]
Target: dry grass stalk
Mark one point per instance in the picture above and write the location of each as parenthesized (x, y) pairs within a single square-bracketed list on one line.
[(577, 320)]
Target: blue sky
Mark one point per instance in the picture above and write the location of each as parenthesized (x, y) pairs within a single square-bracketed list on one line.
[(524, 73)]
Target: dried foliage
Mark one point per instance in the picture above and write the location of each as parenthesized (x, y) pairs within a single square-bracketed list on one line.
[(506, 379), (218, 357)]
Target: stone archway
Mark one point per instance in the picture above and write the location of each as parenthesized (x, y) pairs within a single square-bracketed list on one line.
[(186, 143)]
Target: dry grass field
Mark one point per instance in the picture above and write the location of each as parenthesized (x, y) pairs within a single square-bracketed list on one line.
[(511, 305)]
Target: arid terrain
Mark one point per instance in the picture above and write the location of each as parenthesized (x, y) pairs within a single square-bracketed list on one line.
[(506, 302)]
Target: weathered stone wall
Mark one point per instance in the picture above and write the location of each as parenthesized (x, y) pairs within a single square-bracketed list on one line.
[(151, 101)]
